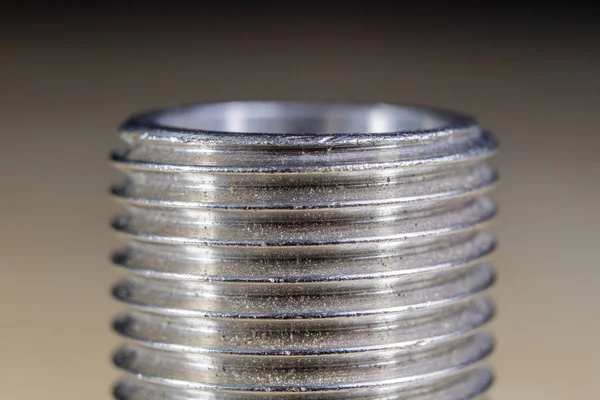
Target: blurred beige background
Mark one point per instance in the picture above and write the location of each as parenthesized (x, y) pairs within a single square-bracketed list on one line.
[(68, 83)]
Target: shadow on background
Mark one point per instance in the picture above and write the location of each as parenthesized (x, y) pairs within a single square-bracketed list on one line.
[(70, 76)]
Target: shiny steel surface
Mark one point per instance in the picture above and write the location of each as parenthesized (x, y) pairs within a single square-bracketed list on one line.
[(304, 250)]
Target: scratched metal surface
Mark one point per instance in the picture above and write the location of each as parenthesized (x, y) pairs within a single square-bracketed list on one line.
[(304, 250)]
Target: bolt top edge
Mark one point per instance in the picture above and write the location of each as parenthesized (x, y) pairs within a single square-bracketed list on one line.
[(295, 123)]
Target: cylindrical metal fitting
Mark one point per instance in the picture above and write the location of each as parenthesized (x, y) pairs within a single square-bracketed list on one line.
[(312, 250)]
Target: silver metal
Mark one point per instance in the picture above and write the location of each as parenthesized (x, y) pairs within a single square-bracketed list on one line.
[(310, 250)]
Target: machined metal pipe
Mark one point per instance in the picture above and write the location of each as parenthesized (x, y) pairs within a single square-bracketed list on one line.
[(313, 250)]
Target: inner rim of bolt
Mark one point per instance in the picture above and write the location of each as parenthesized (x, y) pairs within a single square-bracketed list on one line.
[(277, 122)]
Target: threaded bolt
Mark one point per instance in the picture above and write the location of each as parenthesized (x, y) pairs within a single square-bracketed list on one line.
[(312, 250)]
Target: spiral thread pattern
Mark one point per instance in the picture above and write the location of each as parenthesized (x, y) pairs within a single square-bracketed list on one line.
[(312, 266)]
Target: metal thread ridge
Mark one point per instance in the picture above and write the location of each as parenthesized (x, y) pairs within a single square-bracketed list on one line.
[(306, 250)]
